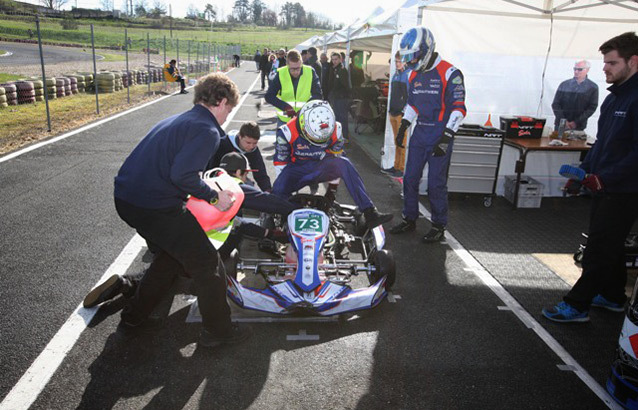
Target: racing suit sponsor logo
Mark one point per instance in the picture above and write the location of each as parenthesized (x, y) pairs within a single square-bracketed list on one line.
[(434, 92), (457, 80), (621, 114)]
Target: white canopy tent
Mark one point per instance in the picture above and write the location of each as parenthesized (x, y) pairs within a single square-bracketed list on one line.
[(513, 54)]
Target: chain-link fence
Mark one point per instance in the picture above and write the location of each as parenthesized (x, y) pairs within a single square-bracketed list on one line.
[(46, 89)]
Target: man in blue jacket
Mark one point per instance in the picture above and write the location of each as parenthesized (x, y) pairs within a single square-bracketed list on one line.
[(151, 188), (612, 177)]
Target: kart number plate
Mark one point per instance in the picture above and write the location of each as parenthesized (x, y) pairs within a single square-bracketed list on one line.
[(309, 224)]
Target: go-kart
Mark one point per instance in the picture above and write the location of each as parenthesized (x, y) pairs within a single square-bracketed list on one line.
[(312, 274)]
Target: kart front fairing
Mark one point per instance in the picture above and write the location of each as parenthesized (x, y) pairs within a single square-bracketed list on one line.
[(311, 279)]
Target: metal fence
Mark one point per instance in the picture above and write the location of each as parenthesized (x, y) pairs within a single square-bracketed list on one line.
[(50, 89)]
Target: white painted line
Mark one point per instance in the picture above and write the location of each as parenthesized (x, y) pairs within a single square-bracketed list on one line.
[(31, 384), (95, 124), (525, 317), (565, 367), (24, 393), (302, 336), (504, 308)]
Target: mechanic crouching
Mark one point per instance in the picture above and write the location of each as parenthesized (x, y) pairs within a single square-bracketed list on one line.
[(308, 150)]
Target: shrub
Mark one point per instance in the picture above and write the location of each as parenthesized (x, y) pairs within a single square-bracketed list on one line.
[(68, 24)]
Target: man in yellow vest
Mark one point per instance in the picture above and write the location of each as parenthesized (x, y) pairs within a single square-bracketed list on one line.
[(294, 85), (172, 74)]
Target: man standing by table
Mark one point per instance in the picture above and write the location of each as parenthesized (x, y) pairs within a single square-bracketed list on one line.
[(576, 99), (436, 101), (612, 177)]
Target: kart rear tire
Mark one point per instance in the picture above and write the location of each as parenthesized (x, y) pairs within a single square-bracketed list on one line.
[(384, 266), (230, 264)]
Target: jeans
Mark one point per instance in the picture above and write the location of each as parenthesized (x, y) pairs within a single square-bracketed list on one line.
[(340, 107), (184, 250)]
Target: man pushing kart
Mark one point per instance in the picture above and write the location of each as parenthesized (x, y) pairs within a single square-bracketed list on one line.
[(308, 149)]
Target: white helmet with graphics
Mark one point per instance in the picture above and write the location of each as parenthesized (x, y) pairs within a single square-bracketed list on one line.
[(417, 44), (316, 122)]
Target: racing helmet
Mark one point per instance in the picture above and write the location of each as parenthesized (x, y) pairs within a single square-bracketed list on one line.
[(316, 122), (417, 43)]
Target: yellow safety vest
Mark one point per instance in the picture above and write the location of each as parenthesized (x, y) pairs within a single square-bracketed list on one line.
[(287, 92), (167, 75)]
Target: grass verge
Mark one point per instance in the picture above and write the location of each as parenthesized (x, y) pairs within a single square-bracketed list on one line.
[(22, 125), (6, 77)]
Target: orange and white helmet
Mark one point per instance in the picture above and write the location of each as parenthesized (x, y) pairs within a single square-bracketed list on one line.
[(316, 121)]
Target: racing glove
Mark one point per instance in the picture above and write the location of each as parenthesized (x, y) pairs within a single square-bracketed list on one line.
[(289, 111), (400, 137), (441, 147), (572, 187), (593, 183)]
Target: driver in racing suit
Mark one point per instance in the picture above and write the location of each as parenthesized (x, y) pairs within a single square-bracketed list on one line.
[(308, 150), (436, 101)]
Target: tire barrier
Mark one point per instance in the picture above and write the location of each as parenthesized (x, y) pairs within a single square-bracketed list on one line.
[(105, 82), (25, 91), (3, 98), (67, 85), (10, 92), (59, 87), (38, 87), (117, 82)]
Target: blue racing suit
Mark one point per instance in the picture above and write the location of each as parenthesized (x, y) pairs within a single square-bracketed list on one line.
[(436, 101), (299, 163)]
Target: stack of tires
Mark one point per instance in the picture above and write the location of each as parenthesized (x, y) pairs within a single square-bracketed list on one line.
[(26, 92), (59, 87), (51, 88), (3, 98), (67, 85), (105, 82), (81, 84), (118, 83), (88, 81), (38, 87), (74, 83), (10, 92)]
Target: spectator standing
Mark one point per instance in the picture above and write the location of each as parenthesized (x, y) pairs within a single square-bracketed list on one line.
[(264, 67), (436, 101), (257, 59), (576, 99), (281, 57), (293, 86), (150, 193), (398, 99), (611, 167), (357, 76), (325, 72), (314, 62), (338, 89)]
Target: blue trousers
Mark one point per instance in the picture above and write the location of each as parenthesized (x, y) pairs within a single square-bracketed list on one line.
[(340, 107), (303, 173), (437, 183)]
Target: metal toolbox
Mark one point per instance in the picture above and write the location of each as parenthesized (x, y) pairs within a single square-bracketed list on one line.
[(475, 160)]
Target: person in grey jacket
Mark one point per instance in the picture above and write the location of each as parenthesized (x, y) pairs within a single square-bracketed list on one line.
[(576, 99)]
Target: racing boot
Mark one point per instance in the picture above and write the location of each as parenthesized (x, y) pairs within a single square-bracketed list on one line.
[(374, 218), (406, 225), (436, 234), (331, 193)]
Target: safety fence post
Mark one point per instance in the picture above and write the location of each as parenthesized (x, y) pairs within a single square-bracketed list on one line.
[(148, 58), (165, 63), (44, 77), (129, 76), (95, 82), (188, 64)]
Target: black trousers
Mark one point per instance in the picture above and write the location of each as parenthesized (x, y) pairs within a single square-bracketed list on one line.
[(182, 85), (604, 270), (184, 250), (264, 76), (340, 107)]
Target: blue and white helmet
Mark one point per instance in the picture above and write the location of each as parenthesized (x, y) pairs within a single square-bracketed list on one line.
[(417, 43)]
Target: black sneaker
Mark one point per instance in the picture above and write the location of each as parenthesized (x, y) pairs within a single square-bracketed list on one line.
[(405, 225), (183, 92), (236, 335), (393, 172), (374, 218), (436, 234), (107, 290)]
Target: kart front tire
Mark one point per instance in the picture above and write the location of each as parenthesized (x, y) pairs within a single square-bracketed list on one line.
[(384, 265)]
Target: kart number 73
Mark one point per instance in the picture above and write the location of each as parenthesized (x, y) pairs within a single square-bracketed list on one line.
[(309, 223)]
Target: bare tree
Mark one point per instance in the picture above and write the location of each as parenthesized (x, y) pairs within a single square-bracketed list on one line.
[(107, 5), (53, 4), (269, 17)]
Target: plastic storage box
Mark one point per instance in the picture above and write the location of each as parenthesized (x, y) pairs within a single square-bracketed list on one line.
[(522, 127), (530, 191)]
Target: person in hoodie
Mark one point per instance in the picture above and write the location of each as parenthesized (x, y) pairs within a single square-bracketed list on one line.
[(245, 142)]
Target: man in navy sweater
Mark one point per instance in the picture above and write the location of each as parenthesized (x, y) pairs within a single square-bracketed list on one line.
[(611, 168), (151, 188)]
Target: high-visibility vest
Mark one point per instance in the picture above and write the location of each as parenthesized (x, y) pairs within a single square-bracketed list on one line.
[(287, 92), (167, 75), (218, 236)]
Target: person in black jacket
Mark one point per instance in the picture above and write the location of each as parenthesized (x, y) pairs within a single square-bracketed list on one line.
[(338, 89), (245, 142), (264, 67), (611, 168), (313, 62), (151, 189)]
